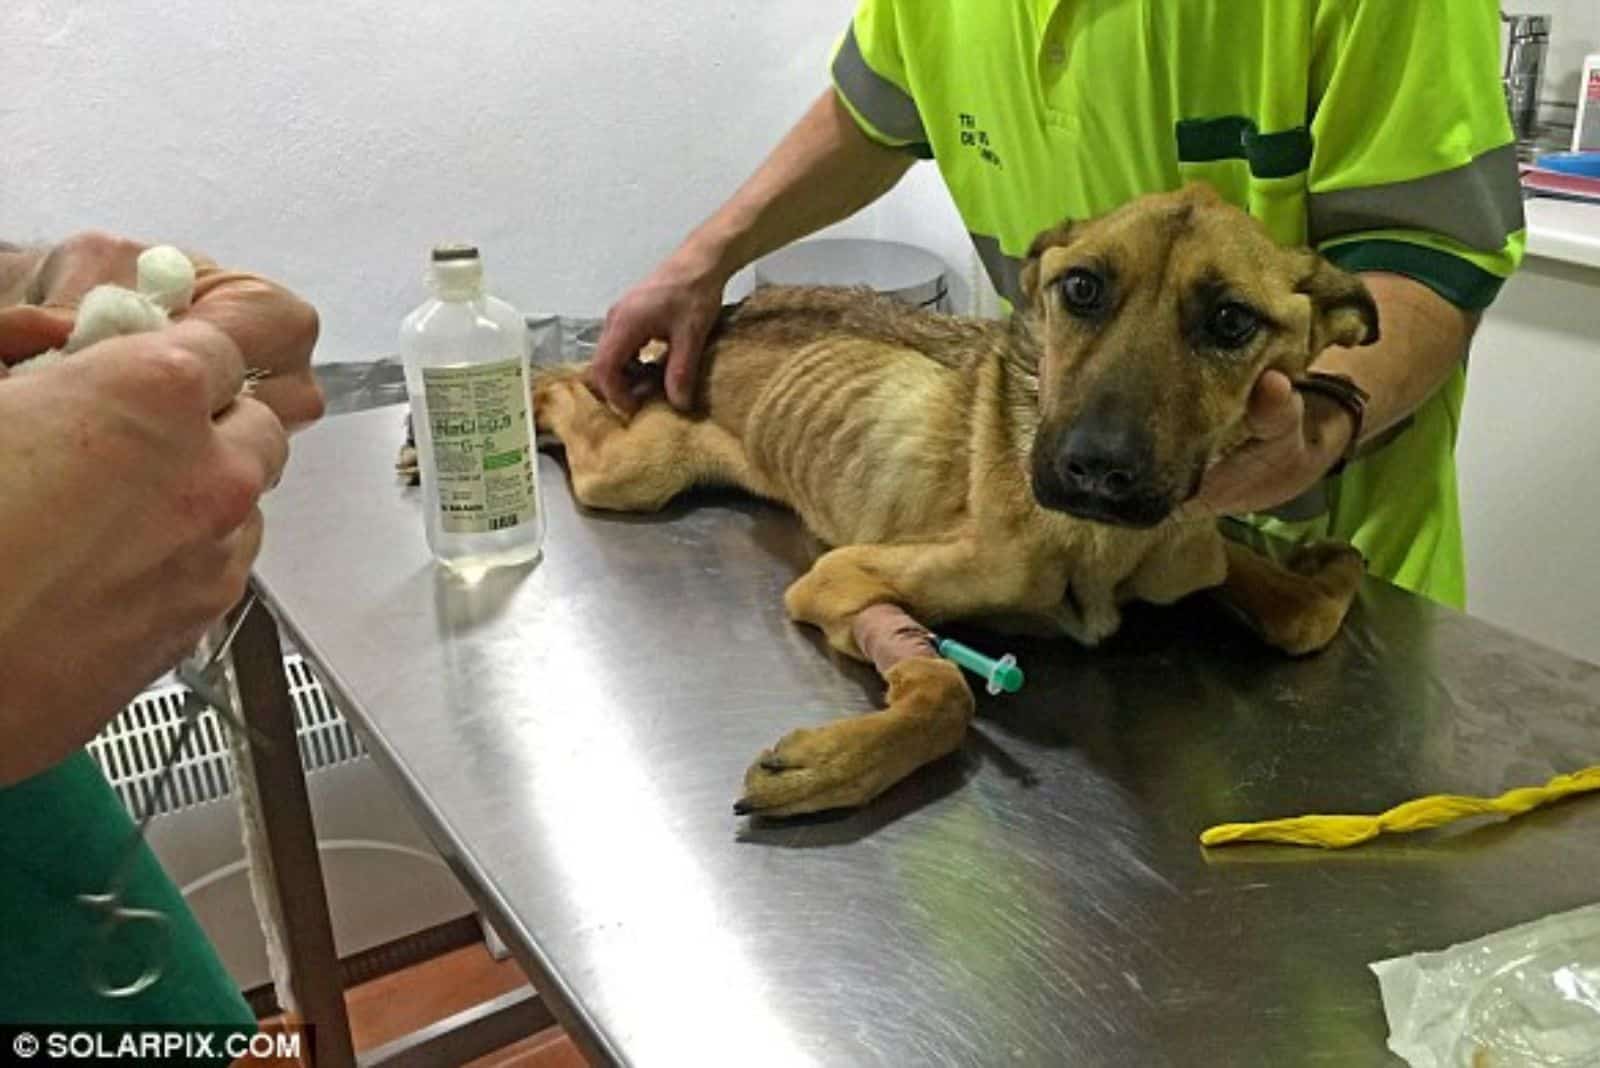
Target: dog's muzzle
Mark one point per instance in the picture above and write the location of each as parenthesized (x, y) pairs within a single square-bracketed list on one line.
[(1100, 472)]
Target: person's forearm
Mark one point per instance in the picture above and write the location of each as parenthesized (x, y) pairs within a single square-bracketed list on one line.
[(824, 170), (17, 267), (39, 731), (1422, 338)]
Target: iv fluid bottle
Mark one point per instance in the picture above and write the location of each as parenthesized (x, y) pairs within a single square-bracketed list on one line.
[(466, 361)]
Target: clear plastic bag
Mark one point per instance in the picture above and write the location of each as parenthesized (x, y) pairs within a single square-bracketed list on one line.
[(1526, 996)]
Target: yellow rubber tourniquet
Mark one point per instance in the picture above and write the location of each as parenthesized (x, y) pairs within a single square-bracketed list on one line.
[(1341, 832)]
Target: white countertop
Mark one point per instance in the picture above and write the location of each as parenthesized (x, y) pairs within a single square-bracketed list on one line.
[(1564, 230)]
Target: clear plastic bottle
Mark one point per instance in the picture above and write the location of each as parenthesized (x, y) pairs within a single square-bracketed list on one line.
[(466, 361)]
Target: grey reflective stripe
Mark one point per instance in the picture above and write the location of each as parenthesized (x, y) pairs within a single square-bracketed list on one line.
[(1373, 444), (1309, 505), (879, 101), (1479, 204), (1005, 272), (1314, 501)]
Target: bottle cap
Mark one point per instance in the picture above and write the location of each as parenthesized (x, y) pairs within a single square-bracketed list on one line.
[(454, 253)]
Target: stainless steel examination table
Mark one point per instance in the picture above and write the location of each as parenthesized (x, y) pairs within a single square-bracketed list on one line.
[(572, 736)]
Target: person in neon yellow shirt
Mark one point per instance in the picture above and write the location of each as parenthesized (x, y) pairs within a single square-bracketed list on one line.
[(1375, 131)]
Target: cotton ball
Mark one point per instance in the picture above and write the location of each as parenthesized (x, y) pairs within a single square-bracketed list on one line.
[(111, 311), (167, 277), (166, 286)]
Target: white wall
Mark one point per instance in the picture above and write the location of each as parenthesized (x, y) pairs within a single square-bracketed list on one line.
[(1528, 450), (329, 144), (1529, 459)]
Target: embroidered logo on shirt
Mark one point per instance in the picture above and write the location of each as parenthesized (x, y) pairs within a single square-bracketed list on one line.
[(977, 140)]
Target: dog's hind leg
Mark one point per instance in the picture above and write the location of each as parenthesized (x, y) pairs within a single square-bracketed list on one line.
[(639, 465), (864, 599), (1297, 607)]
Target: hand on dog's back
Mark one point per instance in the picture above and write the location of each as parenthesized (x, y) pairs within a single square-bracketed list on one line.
[(678, 303)]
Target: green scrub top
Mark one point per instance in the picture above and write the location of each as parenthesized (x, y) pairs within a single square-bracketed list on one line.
[(63, 833), (1373, 130)]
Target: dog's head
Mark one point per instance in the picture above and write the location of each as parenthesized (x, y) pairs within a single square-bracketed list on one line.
[(1154, 323)]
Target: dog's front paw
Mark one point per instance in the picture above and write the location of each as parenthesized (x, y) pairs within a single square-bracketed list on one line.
[(1335, 570), (1337, 566), (839, 765), (848, 763)]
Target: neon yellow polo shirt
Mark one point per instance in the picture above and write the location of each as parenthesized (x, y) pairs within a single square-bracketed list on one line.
[(1374, 130)]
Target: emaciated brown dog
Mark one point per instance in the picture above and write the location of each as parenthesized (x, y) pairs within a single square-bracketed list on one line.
[(970, 469)]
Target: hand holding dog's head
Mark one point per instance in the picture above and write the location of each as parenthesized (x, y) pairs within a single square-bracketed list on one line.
[(1154, 323)]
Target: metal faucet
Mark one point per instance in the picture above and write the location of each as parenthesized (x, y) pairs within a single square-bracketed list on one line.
[(1529, 40)]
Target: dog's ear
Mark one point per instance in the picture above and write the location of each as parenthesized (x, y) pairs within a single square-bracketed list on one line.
[(1342, 310), (1055, 237)]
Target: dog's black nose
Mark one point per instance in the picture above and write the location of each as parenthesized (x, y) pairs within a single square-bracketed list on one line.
[(1110, 463)]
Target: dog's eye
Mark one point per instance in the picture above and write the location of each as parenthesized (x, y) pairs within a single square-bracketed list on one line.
[(1082, 291), (1232, 325)]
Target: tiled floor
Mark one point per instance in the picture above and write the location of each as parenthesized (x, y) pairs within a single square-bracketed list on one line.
[(388, 1007)]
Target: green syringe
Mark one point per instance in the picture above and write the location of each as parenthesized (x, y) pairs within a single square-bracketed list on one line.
[(1002, 675)]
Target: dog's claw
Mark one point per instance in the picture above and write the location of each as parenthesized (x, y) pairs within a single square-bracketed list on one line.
[(743, 807)]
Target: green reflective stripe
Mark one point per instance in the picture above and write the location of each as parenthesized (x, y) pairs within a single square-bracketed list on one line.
[(880, 102), (1273, 155), (1463, 284), (1005, 272), (1479, 204)]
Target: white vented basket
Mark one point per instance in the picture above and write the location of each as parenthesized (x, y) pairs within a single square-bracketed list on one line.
[(132, 749), (385, 882)]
